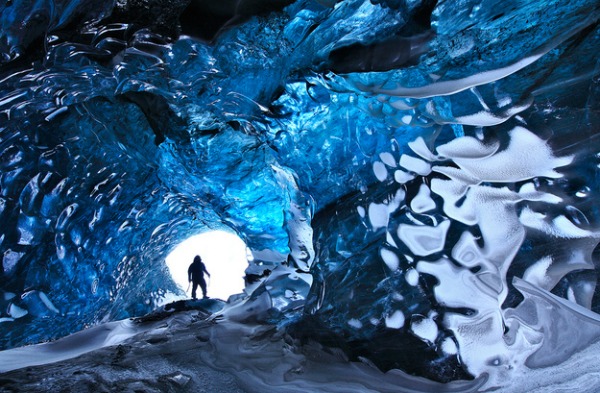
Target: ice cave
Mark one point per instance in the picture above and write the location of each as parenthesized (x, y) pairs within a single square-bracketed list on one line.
[(410, 184)]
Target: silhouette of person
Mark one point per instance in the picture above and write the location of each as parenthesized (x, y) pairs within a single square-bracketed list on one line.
[(196, 276)]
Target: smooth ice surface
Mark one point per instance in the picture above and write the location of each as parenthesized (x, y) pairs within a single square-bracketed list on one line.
[(415, 180)]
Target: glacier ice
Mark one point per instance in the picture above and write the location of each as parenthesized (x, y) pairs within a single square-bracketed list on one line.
[(415, 179)]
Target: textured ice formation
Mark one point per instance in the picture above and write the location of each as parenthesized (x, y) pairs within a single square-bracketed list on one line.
[(416, 180)]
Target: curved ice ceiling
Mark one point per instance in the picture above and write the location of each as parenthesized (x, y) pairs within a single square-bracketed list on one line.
[(415, 174)]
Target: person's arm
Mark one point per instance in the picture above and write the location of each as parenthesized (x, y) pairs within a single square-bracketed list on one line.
[(206, 271), (190, 273)]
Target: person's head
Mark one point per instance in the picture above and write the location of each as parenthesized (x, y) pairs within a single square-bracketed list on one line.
[(197, 259)]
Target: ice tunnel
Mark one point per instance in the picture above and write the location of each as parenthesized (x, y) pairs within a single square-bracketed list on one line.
[(416, 180), (225, 257)]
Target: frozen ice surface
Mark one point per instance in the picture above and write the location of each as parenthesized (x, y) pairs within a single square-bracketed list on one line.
[(415, 181), (192, 350)]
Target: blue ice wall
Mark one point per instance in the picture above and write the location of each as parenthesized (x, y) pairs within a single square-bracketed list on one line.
[(413, 173)]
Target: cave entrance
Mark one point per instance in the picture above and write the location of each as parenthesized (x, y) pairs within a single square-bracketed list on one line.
[(225, 256)]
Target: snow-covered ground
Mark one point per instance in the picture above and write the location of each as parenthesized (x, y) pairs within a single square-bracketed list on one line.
[(195, 350)]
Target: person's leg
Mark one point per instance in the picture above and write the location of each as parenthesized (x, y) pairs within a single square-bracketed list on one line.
[(194, 287), (203, 286)]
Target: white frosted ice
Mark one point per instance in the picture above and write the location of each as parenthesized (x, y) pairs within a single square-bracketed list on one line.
[(482, 343), (512, 164), (378, 215), (457, 286), (47, 302), (361, 211), (380, 170), (15, 311), (420, 148), (422, 202), (388, 159), (396, 320), (454, 86), (493, 209), (424, 240), (412, 277), (425, 328), (529, 192), (537, 273), (402, 177), (448, 346), (466, 251), (487, 118), (560, 226), (390, 258), (415, 165), (480, 336), (390, 239), (467, 147)]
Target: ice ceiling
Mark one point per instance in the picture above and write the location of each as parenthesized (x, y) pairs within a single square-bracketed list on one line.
[(417, 180)]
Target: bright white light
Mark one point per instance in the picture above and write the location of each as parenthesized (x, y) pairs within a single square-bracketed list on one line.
[(224, 255)]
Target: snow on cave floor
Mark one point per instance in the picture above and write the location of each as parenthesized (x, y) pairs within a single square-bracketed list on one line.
[(197, 349)]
